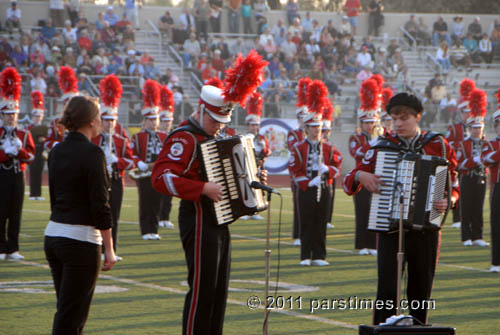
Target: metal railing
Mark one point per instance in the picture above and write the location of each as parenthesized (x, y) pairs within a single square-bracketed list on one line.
[(195, 82), (157, 32), (409, 36), (431, 63)]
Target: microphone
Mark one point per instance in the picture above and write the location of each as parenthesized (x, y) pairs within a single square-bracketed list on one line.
[(257, 185)]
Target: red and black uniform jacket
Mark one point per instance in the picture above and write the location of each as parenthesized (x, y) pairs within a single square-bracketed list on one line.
[(456, 134), (437, 146), (26, 153), (359, 144), (139, 145), (293, 136), (490, 156), (121, 149), (298, 162), (120, 130), (465, 158), (54, 135)]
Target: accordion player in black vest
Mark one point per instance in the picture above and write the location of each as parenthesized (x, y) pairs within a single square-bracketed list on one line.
[(421, 247)]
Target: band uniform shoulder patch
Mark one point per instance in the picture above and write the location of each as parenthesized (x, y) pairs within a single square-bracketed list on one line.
[(176, 151)]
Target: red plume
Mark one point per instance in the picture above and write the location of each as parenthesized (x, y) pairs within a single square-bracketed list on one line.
[(37, 100), (67, 80), (243, 78), (328, 111), (466, 86), (369, 95), (477, 103), (317, 96), (302, 91), (255, 104), (380, 81), (214, 81), (111, 91), (150, 94), (386, 96), (166, 99), (10, 84)]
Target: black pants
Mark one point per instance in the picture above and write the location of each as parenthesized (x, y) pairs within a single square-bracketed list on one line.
[(472, 192), (247, 25), (421, 252), (313, 218), (495, 224), (329, 218), (296, 213), (149, 205), (11, 206), (207, 248), (115, 200), (74, 266), (215, 24), (363, 238), (165, 207), (36, 170), (203, 32)]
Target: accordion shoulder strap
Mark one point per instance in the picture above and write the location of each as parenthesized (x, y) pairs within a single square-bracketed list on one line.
[(429, 136), (385, 144)]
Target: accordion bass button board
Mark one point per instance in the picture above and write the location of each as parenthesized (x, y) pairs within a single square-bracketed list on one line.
[(231, 163)]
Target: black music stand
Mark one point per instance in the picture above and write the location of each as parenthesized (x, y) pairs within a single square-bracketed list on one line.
[(400, 254), (268, 258)]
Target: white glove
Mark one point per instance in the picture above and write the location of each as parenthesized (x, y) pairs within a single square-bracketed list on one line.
[(373, 141), (477, 160), (111, 158), (316, 181), (110, 169), (11, 150), (323, 169), (54, 145), (142, 166), (17, 143)]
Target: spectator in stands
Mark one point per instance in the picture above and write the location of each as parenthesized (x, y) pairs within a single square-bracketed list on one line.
[(145, 58), (493, 26), (218, 62), (208, 72), (486, 49), (136, 67), (191, 50), (108, 36), (202, 15), (364, 74), (111, 17), (292, 11), (99, 23), (233, 16), (368, 42), (269, 48), (166, 24), (295, 27), (475, 29), (84, 42), (86, 66), (128, 36), (351, 66), (459, 55), (391, 48), (424, 32), (281, 38), (223, 48), (411, 27), (364, 58), (443, 57), (246, 14), (83, 85), (352, 9), (495, 40), (132, 11), (316, 72), (288, 47), (398, 64), (278, 29), (380, 62), (457, 29), (345, 26), (42, 46), (448, 107), (73, 9), (37, 58), (471, 45), (82, 22), (18, 56), (122, 25), (440, 32), (307, 25), (69, 33), (438, 93), (265, 37), (333, 79), (38, 83), (55, 54), (316, 32), (375, 17), (57, 12), (331, 28), (169, 78), (69, 58), (13, 18), (48, 31), (151, 71), (186, 20), (216, 6)]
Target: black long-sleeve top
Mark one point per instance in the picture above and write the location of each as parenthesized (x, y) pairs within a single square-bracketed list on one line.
[(79, 183)]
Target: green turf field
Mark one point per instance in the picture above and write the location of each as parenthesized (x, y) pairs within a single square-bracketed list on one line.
[(148, 290)]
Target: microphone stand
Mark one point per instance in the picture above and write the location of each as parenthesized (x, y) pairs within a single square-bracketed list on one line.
[(268, 257), (400, 253)]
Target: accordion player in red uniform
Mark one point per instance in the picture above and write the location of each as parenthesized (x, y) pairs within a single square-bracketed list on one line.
[(177, 173), (421, 248)]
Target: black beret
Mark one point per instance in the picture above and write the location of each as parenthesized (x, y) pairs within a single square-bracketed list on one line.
[(405, 99)]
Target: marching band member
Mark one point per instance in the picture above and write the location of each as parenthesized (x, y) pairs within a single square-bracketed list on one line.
[(385, 118), (177, 173), (359, 144), (490, 156), (458, 131), (166, 119), (473, 172), (17, 149), (261, 144), (421, 248), (115, 147), (147, 145), (295, 136), (314, 167), (39, 134), (326, 130), (120, 130)]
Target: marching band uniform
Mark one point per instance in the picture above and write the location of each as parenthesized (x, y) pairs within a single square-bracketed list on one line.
[(314, 165), (17, 149), (39, 133), (118, 153), (120, 130), (490, 156), (473, 176), (421, 248), (146, 146), (385, 118), (177, 172)]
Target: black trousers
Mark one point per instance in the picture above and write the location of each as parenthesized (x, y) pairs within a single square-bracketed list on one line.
[(363, 238), (36, 170), (296, 213), (207, 248), (165, 207), (11, 206), (149, 205), (329, 218), (313, 218), (74, 266), (472, 193), (115, 200), (495, 224), (421, 252)]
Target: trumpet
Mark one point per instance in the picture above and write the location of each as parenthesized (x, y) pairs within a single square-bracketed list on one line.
[(136, 173)]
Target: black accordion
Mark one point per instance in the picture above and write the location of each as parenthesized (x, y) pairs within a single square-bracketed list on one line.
[(230, 162), (420, 179)]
